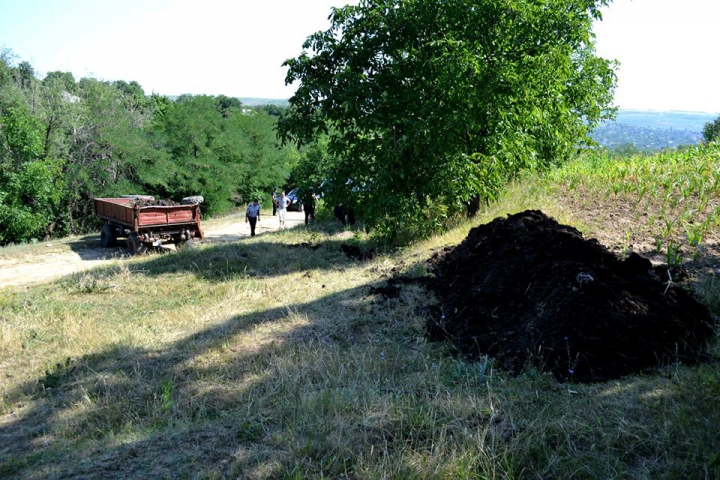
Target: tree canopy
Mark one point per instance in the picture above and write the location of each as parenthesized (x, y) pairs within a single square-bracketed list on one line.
[(435, 104), (711, 131), (64, 142)]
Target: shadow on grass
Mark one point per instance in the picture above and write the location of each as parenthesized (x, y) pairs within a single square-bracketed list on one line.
[(177, 411), (220, 262), (130, 412), (229, 245)]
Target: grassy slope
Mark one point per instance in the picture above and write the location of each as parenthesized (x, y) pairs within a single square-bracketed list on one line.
[(257, 360)]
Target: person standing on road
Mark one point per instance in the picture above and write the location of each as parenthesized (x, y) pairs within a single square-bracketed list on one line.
[(309, 202), (274, 201), (282, 203), (252, 215), (339, 212)]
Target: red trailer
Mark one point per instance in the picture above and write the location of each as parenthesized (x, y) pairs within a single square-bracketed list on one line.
[(147, 225)]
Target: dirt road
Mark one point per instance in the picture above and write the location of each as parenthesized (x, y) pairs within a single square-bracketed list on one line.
[(23, 265)]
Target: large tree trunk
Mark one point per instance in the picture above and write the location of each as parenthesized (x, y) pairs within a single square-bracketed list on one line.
[(48, 131)]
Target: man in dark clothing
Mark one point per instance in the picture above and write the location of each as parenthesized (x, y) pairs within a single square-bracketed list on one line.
[(309, 202), (339, 212), (252, 215)]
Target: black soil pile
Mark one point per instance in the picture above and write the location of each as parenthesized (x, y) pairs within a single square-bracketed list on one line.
[(144, 202), (526, 290)]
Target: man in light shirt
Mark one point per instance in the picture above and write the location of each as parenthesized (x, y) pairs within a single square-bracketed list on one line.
[(252, 215), (282, 203)]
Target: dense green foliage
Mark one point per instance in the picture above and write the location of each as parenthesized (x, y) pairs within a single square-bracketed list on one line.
[(711, 132), (64, 142), (431, 106)]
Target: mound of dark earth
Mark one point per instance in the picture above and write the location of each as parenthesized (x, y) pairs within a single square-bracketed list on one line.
[(146, 202), (526, 290)]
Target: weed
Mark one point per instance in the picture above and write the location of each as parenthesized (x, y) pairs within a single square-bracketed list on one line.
[(673, 255), (250, 431), (54, 375), (166, 396), (709, 292), (571, 361)]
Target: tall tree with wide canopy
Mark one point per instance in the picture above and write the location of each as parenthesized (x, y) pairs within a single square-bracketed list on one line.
[(432, 102)]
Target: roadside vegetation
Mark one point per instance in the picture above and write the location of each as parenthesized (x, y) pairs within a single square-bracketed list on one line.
[(64, 142), (269, 358)]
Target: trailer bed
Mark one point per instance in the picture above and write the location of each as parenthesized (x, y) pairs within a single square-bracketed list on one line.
[(147, 225), (124, 212)]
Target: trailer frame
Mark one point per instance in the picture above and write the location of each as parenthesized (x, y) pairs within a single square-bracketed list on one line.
[(146, 226)]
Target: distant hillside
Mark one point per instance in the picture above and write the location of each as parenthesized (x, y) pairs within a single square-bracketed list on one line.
[(650, 131), (254, 102)]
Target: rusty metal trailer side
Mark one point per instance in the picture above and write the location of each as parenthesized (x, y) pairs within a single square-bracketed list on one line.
[(145, 226)]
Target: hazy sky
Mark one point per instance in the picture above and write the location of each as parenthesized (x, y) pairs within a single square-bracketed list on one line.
[(667, 49), (668, 53)]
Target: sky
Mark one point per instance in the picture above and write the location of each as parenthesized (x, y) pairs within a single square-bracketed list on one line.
[(668, 53), (666, 48)]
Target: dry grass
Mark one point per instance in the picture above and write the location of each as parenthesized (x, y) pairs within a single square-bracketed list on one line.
[(256, 360)]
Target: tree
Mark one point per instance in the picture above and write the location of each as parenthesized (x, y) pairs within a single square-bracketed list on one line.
[(56, 106), (26, 74), (224, 104), (29, 199), (271, 109), (31, 187), (20, 137), (711, 131), (64, 142), (429, 102), (65, 79), (133, 94), (6, 60), (215, 150)]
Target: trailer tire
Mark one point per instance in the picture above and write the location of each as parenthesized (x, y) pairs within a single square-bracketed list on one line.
[(107, 237), (134, 245)]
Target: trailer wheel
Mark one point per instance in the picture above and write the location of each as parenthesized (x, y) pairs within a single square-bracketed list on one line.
[(134, 245), (107, 237)]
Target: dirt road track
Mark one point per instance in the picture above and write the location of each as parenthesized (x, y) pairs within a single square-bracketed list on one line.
[(37, 265)]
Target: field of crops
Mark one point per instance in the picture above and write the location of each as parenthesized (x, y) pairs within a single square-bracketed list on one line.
[(672, 197)]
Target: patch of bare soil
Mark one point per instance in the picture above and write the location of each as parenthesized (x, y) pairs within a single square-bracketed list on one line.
[(527, 290), (42, 267), (622, 225)]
